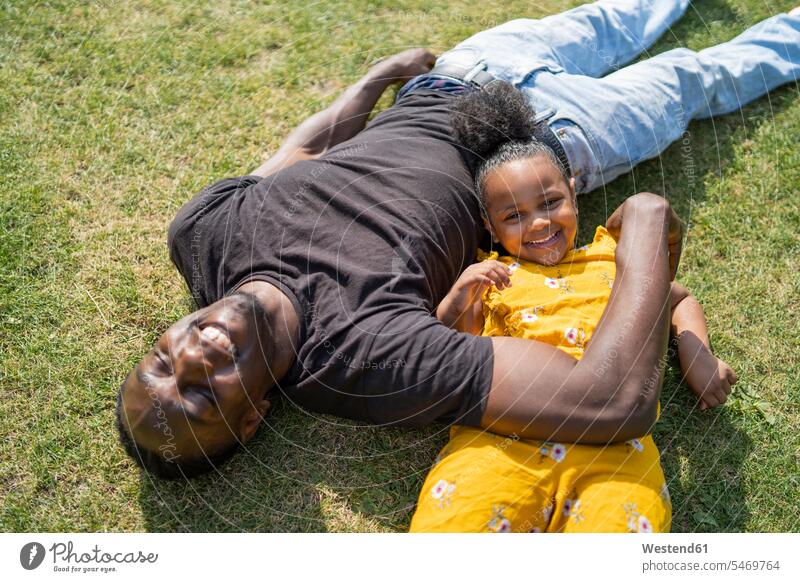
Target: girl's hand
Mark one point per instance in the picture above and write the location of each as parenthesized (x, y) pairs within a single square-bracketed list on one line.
[(710, 379), (461, 308), (478, 278)]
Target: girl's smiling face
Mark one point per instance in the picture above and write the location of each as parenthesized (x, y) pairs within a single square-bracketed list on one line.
[(531, 209)]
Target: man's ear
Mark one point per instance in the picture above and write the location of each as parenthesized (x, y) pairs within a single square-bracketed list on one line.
[(252, 419)]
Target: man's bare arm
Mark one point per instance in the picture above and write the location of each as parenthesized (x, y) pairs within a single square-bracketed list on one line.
[(346, 116), (611, 394)]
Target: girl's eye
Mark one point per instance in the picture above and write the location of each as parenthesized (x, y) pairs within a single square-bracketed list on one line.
[(551, 202), (513, 216)]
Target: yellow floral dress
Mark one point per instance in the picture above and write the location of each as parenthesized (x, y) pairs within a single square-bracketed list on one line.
[(482, 482)]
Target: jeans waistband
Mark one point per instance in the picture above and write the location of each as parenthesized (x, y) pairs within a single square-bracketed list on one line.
[(432, 81)]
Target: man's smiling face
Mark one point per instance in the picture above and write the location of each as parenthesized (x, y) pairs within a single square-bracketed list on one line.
[(203, 385)]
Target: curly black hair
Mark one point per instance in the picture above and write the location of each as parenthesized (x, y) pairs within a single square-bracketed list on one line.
[(495, 124), (160, 466)]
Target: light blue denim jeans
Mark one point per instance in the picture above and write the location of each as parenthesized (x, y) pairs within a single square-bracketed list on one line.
[(609, 117)]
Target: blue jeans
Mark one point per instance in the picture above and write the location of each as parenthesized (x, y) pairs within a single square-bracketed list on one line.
[(609, 117)]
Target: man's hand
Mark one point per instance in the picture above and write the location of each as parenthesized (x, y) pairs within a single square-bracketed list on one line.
[(710, 379), (639, 202), (407, 64), (461, 309)]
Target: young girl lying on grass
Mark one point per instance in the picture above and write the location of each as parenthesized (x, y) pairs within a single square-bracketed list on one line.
[(546, 290)]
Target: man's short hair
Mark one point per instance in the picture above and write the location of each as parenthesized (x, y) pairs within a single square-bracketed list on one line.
[(162, 467)]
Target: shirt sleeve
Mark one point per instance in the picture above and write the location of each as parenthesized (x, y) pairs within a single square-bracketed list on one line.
[(192, 227), (418, 371)]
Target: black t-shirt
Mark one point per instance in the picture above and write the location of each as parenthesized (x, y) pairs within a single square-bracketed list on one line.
[(365, 241)]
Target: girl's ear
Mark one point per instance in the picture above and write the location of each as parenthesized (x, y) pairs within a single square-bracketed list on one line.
[(572, 193)]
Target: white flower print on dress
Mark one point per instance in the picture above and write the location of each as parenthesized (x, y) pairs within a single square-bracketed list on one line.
[(438, 490), (530, 315), (555, 451), (575, 336), (571, 335), (636, 444), (643, 525), (499, 522), (572, 508), (442, 492), (564, 284), (637, 523), (559, 282), (547, 512), (558, 452)]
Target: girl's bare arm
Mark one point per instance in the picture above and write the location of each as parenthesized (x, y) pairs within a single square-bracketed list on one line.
[(708, 377)]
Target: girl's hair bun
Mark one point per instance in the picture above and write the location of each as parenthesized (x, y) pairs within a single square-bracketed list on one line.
[(486, 118)]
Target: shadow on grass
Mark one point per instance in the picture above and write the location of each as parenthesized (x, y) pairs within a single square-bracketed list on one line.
[(702, 454), (319, 474), (303, 474)]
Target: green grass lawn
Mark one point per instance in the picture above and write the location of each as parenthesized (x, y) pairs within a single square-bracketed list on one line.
[(114, 115)]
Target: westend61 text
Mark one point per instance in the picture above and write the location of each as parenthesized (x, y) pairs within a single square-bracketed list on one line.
[(672, 549), (64, 553)]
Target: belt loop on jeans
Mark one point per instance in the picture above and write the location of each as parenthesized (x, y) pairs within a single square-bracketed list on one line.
[(477, 77), (475, 72)]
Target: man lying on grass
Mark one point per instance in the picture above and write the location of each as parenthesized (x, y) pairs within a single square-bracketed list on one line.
[(321, 271)]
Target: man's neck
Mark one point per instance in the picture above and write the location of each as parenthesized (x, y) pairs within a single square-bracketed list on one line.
[(283, 321)]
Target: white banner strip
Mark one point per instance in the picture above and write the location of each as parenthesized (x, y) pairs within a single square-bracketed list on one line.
[(388, 557)]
